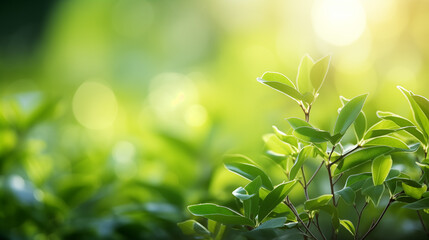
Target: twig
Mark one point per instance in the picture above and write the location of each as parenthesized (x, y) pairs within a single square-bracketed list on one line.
[(359, 217), (423, 223), (314, 174), (305, 186), (374, 225), (344, 155), (290, 205), (328, 166), (338, 178), (318, 226)]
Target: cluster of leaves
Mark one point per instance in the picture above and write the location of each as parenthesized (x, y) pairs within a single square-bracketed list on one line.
[(265, 206)]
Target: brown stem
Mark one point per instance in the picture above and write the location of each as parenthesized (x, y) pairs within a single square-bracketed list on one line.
[(328, 166), (305, 186), (314, 174), (374, 225), (338, 178), (318, 226), (344, 155), (359, 217), (423, 223), (292, 208)]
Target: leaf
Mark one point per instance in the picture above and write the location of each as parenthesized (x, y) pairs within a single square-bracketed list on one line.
[(317, 203), (414, 192), (275, 145), (277, 77), (356, 181), (297, 122), (360, 126), (403, 122), (347, 194), (304, 84), (418, 205), (250, 172), (333, 212), (283, 88), (386, 141), (285, 138), (192, 227), (380, 168), (349, 113), (275, 197), (361, 156), (419, 115), (373, 192), (272, 223), (242, 194), (348, 225), (251, 205), (303, 155), (318, 72), (219, 214), (310, 134)]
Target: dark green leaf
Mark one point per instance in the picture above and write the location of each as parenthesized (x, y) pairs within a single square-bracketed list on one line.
[(361, 156), (274, 198), (356, 181), (303, 155), (192, 227), (418, 205), (242, 194), (272, 223), (360, 126), (318, 72), (250, 172), (251, 206), (219, 214), (347, 194), (373, 192), (317, 203), (380, 168), (313, 135), (349, 113)]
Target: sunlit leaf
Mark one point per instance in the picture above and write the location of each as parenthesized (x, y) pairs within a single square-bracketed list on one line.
[(250, 172), (419, 115), (360, 126), (356, 181), (386, 141), (349, 113), (313, 135), (304, 84), (277, 77), (274, 198), (318, 72), (241, 193), (303, 155), (373, 192), (285, 138), (361, 156), (348, 225), (219, 214), (297, 122), (347, 194), (380, 168), (283, 88), (317, 203), (414, 192)]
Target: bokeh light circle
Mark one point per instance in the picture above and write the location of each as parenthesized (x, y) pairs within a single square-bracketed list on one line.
[(95, 105), (339, 22)]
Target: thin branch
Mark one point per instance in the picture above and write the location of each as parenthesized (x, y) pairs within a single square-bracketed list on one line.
[(338, 178), (292, 208), (423, 223), (359, 213), (328, 166), (314, 174), (318, 226), (374, 225), (305, 186), (344, 155)]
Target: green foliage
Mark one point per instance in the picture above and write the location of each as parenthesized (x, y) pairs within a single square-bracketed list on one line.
[(263, 207)]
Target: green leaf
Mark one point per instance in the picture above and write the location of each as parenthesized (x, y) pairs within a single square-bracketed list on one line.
[(304, 84), (403, 122), (303, 155), (414, 192), (361, 156), (348, 225), (386, 141), (219, 214), (272, 223), (285, 138), (277, 77), (251, 205), (333, 212), (380, 168), (360, 126), (317, 203), (310, 134), (356, 181), (418, 205), (242, 194), (318, 72), (297, 122), (275, 145), (274, 198), (373, 192), (349, 113), (192, 227), (347, 194), (250, 172), (283, 88), (419, 115)]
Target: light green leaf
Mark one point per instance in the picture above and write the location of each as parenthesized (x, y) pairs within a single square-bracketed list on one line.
[(317, 203), (192, 227), (318, 73), (349, 113), (373, 192), (310, 134), (283, 88), (285, 138), (386, 141), (419, 114), (303, 78), (348, 225), (356, 181), (360, 126), (275, 145), (251, 205), (380, 168), (242, 194), (250, 172), (303, 155), (347, 194), (421, 204), (361, 156), (414, 192), (272, 223), (297, 122), (219, 214), (403, 122), (423, 103), (277, 77), (274, 198)]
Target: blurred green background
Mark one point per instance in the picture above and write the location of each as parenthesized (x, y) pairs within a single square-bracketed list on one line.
[(115, 114)]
